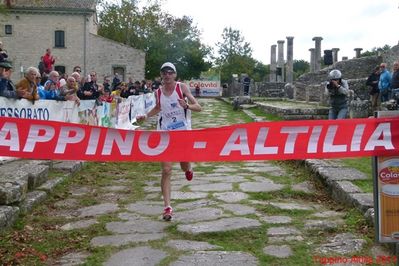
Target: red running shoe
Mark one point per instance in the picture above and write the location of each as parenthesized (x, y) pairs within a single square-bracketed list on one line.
[(189, 175), (167, 213)]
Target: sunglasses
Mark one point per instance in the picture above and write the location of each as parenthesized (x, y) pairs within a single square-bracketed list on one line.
[(168, 72), (78, 70)]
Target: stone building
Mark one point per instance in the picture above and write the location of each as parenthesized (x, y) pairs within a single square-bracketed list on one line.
[(69, 28)]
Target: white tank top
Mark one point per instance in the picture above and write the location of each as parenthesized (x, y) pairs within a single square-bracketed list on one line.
[(172, 116)]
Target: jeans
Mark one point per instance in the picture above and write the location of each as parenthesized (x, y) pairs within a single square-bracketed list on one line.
[(385, 95), (337, 113)]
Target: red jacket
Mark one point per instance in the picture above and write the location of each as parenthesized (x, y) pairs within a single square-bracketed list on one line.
[(48, 61)]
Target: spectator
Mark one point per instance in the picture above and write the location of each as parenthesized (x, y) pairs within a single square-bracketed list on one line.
[(52, 87), (246, 83), (7, 87), (372, 82), (116, 80), (90, 91), (395, 81), (77, 77), (40, 88), (143, 87), (107, 83), (156, 83), (338, 90), (77, 69), (3, 53), (107, 97), (40, 66), (130, 82), (69, 90), (384, 83), (27, 86), (197, 90), (125, 91), (48, 61)]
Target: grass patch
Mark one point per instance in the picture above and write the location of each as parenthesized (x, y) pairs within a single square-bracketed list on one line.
[(259, 112)]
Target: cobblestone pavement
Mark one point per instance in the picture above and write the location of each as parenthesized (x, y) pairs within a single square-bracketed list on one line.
[(284, 214)]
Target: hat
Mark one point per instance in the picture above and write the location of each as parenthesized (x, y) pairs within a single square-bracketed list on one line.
[(5, 64), (168, 65)]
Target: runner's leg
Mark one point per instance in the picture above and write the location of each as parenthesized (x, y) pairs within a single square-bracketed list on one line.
[(165, 182)]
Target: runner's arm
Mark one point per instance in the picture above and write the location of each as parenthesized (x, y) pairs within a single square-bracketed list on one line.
[(192, 104)]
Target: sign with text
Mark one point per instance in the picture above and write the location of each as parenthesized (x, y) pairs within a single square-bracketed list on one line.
[(207, 88), (36, 139), (386, 192)]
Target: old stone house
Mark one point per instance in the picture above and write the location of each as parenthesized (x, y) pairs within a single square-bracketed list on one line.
[(69, 28)]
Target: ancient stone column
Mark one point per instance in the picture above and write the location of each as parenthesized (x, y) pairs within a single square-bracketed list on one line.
[(280, 61), (317, 57), (358, 50), (273, 63), (290, 59), (335, 54), (312, 58)]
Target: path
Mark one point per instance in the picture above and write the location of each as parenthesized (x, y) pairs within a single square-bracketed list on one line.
[(243, 213)]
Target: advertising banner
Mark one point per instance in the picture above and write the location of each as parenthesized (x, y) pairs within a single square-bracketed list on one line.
[(285, 140), (386, 192), (205, 88)]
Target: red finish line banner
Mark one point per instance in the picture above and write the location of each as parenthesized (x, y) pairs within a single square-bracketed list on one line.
[(36, 139)]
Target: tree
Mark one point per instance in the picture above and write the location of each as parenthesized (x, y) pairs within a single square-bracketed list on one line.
[(375, 51), (300, 67), (233, 44), (235, 57), (160, 35)]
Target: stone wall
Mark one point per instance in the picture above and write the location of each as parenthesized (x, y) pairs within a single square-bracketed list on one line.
[(105, 54)]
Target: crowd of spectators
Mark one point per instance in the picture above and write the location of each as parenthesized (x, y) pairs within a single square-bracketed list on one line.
[(43, 82)]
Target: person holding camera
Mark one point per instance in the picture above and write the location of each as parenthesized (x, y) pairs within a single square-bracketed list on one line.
[(338, 91)]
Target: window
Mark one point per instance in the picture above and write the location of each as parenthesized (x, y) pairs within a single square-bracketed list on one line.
[(59, 38), (8, 29), (60, 69), (120, 70)]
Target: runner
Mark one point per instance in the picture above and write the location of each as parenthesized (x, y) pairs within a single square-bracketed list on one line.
[(174, 114)]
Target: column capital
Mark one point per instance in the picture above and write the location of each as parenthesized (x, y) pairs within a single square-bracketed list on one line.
[(335, 49), (317, 39), (280, 41), (290, 37)]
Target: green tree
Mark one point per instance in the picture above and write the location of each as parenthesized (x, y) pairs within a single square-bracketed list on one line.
[(300, 67), (375, 51), (233, 45), (160, 35), (235, 57)]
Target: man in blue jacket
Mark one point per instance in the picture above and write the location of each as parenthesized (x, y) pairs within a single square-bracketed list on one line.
[(384, 83)]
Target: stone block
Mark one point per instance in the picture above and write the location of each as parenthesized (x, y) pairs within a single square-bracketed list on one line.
[(362, 201), (51, 184), (13, 189), (8, 215), (32, 199), (68, 166), (342, 189)]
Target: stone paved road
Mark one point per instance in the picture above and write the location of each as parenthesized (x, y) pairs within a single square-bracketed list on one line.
[(279, 215)]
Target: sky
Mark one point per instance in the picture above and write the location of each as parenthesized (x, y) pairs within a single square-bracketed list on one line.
[(343, 24)]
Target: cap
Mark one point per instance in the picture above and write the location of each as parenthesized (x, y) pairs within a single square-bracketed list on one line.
[(168, 65), (5, 64)]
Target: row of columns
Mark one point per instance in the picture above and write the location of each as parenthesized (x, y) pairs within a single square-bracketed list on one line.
[(277, 64)]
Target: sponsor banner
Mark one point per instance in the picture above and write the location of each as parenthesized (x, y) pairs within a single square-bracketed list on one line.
[(36, 139), (208, 88), (117, 114), (40, 110), (386, 197), (123, 121)]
